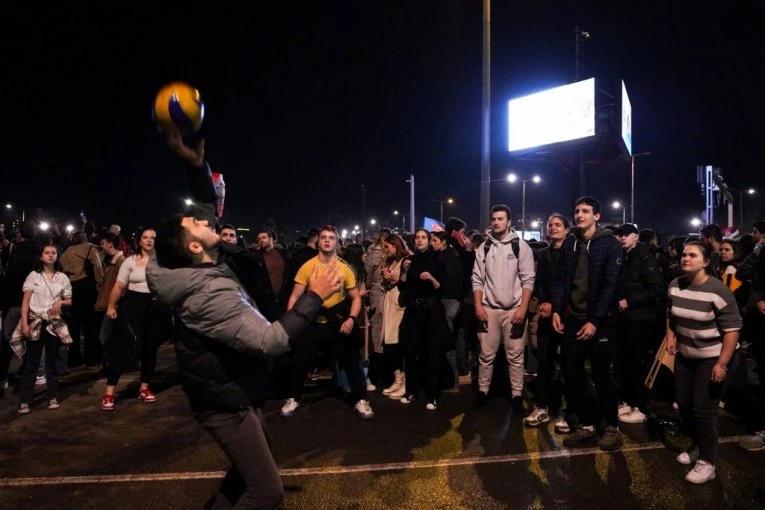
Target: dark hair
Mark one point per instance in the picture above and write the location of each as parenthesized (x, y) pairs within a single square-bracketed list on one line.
[(423, 230), (745, 246), (501, 207), (759, 226), (562, 218), (138, 249), (270, 233), (477, 239), (112, 239), (171, 245), (733, 244), (39, 266), (706, 252), (28, 230), (453, 224), (228, 226), (397, 242), (440, 234), (591, 201), (713, 231), (649, 236)]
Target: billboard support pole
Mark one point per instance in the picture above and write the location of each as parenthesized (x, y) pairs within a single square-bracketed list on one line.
[(486, 115)]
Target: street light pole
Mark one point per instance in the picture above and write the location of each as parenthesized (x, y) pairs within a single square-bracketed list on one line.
[(523, 207), (632, 186)]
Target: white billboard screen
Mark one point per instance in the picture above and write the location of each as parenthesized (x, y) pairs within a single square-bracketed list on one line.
[(626, 120), (551, 116)]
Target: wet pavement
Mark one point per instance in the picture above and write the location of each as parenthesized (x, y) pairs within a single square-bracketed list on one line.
[(145, 456)]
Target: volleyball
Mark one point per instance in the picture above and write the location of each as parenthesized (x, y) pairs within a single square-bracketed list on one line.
[(178, 107)]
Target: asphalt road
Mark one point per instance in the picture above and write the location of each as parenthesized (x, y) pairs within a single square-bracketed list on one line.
[(145, 456)]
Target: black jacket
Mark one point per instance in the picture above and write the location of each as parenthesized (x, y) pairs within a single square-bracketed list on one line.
[(605, 259), (642, 284)]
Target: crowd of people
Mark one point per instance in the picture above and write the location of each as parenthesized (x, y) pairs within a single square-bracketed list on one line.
[(582, 314)]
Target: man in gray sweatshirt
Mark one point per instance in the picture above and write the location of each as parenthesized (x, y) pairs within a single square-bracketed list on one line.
[(503, 281)]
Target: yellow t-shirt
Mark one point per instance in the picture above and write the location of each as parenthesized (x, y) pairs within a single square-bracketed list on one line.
[(349, 278)]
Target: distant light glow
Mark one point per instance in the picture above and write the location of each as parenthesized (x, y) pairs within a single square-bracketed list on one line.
[(188, 201), (616, 204), (512, 178), (44, 225), (551, 116), (696, 222), (8, 206), (535, 224), (751, 191), (70, 228), (536, 179)]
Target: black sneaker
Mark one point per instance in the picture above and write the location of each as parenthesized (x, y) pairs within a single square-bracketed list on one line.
[(516, 405), (479, 401), (583, 436), (611, 440)]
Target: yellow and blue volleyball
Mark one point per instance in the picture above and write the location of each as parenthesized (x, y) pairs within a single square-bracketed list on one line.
[(178, 107)]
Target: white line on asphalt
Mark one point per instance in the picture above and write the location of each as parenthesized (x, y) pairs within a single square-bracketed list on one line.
[(337, 470)]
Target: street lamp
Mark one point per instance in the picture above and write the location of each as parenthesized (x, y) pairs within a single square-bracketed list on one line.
[(750, 191), (188, 201), (11, 207), (617, 205), (695, 222), (512, 178), (632, 185), (403, 219), (441, 203)]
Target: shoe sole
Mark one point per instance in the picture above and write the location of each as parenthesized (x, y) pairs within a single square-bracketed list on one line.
[(701, 482), (533, 424)]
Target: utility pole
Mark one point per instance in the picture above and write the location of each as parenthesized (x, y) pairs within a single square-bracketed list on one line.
[(411, 202), (486, 115)]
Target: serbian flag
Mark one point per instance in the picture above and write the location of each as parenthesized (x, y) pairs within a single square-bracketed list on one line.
[(220, 192)]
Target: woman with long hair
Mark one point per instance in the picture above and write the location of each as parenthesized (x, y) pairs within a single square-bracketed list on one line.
[(703, 325), (137, 326), (392, 313), (729, 264), (46, 290), (424, 331)]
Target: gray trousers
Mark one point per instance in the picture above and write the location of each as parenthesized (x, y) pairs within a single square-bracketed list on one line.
[(501, 331), (253, 480)]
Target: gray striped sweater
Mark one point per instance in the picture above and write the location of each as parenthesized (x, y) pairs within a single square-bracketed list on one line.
[(701, 314)]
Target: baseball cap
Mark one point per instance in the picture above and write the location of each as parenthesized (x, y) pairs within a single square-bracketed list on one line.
[(627, 229)]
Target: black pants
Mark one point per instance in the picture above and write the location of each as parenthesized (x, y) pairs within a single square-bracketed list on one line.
[(83, 322), (548, 342), (600, 352), (253, 480), (633, 360), (136, 333), (32, 361), (342, 348), (423, 338), (697, 399)]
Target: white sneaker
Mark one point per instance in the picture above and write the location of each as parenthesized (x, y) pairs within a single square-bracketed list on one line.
[(364, 410), (537, 417), (407, 399), (634, 416), (40, 380), (24, 408), (623, 409), (53, 403), (562, 426), (675, 406), (702, 472), (289, 408), (431, 406)]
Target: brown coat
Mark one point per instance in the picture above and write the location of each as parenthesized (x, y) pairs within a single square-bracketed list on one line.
[(73, 261), (107, 282)]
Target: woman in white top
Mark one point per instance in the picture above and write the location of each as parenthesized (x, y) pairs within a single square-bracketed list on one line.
[(136, 328), (46, 290)]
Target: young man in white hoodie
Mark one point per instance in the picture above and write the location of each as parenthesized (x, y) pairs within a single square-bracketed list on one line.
[(503, 282)]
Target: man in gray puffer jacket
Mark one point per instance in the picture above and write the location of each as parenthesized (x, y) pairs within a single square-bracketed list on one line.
[(222, 342)]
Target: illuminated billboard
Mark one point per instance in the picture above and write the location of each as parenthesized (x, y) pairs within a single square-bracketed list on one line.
[(555, 115), (626, 120)]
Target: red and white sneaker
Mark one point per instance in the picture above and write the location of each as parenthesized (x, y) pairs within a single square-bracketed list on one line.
[(147, 396), (107, 403)]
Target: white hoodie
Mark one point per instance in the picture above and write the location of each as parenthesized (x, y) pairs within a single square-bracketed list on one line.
[(500, 275)]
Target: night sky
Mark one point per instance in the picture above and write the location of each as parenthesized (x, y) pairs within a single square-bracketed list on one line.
[(308, 101)]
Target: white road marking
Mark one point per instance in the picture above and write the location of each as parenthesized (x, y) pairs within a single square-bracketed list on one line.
[(337, 470)]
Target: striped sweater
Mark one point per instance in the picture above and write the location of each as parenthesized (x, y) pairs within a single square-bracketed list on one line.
[(701, 314)]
